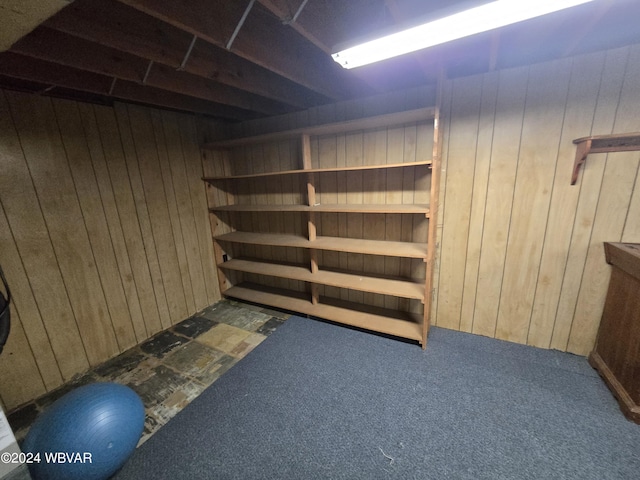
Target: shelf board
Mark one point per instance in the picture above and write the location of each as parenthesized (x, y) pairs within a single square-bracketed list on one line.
[(331, 208), (260, 208), (380, 121), (320, 170), (371, 247), (372, 208), (351, 245), (382, 286), (619, 142), (391, 322), (270, 239)]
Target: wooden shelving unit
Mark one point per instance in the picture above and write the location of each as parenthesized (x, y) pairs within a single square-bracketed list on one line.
[(254, 242)]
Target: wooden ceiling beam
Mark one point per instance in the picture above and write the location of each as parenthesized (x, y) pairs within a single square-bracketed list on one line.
[(18, 66), (57, 47), (166, 78), (20, 85), (117, 26), (262, 40), (154, 96), (35, 70)]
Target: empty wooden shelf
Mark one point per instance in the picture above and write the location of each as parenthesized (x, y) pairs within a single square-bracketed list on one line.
[(338, 244), (328, 208), (319, 170), (380, 320), (366, 283)]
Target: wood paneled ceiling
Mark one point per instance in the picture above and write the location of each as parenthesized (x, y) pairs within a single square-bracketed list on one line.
[(200, 56)]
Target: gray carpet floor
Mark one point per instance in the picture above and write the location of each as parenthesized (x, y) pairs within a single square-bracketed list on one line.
[(317, 400)]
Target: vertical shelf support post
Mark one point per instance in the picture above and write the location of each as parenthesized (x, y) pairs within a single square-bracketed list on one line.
[(433, 212), (311, 201), (209, 160)]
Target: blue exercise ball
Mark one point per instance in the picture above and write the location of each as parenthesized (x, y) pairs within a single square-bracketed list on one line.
[(87, 434)]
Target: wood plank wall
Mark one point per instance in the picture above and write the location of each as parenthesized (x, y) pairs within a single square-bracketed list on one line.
[(104, 234), (522, 254)]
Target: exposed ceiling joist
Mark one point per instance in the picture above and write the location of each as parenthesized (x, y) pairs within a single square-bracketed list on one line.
[(262, 40), (119, 27), (172, 53), (53, 46), (17, 66)]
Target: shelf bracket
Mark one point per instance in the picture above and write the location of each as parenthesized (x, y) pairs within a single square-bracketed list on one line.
[(582, 151), (623, 142)]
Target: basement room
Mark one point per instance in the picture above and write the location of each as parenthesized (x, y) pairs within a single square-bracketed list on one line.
[(319, 239)]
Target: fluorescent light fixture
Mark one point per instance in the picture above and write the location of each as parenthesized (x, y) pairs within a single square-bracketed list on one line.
[(479, 19)]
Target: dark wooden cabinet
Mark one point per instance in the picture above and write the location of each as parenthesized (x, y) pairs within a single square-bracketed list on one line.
[(616, 354)]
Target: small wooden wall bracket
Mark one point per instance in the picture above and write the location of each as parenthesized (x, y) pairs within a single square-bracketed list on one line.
[(623, 142), (582, 150)]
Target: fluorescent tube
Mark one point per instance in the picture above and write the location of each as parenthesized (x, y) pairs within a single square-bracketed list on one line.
[(479, 19)]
